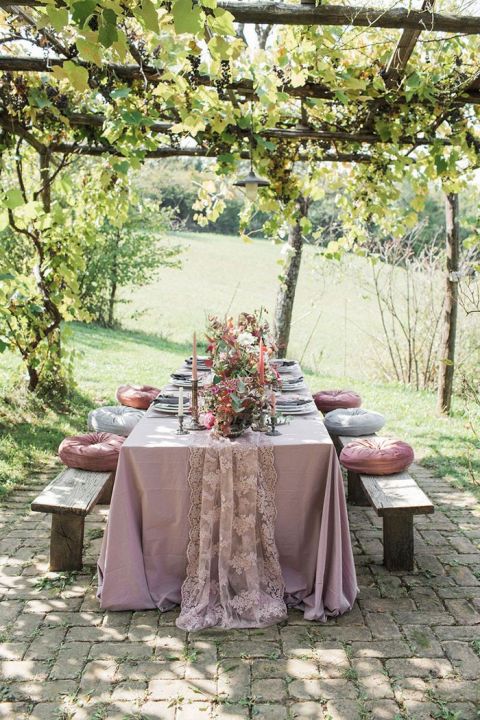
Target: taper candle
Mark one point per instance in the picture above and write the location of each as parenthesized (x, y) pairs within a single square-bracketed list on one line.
[(273, 404), (194, 358), (180, 402), (261, 363)]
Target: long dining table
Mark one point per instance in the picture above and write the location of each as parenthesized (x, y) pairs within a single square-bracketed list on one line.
[(143, 559)]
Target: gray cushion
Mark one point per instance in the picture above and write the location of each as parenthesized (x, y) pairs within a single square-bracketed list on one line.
[(117, 419), (353, 421)]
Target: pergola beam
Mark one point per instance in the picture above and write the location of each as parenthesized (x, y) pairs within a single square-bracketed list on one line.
[(278, 13), (97, 120), (129, 73), (165, 151)]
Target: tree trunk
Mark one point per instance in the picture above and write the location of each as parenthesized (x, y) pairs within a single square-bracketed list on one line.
[(113, 287), (447, 345), (33, 378), (286, 291)]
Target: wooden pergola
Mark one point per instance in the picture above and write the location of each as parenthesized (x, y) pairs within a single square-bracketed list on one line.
[(321, 142)]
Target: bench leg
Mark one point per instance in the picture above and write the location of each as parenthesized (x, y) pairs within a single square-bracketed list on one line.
[(66, 542), (398, 541), (106, 494), (356, 493)]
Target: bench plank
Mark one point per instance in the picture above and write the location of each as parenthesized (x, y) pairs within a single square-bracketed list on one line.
[(396, 493), (73, 491)]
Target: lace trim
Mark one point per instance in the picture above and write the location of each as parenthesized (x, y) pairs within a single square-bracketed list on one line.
[(233, 575)]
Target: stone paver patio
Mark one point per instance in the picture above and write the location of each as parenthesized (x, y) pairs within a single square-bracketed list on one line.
[(409, 649)]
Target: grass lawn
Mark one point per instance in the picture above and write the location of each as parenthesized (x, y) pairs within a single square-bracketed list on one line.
[(156, 340)]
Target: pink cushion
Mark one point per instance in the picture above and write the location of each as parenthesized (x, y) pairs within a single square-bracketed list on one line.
[(137, 396), (376, 456), (92, 451), (327, 400)]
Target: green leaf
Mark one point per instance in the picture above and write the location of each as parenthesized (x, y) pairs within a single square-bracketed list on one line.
[(38, 98), (148, 13), (13, 199), (3, 345), (3, 220), (58, 17), (120, 93), (186, 18), (91, 52), (77, 75), (82, 10), (107, 34), (222, 23)]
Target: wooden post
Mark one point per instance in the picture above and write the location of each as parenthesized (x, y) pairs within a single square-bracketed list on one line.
[(286, 291), (450, 309), (398, 541), (356, 494), (66, 541)]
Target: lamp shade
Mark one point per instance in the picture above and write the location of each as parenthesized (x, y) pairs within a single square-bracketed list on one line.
[(251, 183)]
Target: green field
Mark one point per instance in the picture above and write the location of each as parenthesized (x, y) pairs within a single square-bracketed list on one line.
[(219, 272)]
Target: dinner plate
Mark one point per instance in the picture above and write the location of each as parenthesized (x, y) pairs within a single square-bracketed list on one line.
[(302, 410)]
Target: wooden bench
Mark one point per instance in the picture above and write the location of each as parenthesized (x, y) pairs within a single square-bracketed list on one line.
[(69, 498), (396, 498)]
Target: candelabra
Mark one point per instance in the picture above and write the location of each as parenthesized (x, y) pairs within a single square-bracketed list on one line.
[(195, 423)]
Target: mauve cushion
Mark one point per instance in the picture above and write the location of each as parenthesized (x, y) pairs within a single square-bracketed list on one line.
[(353, 421), (117, 419), (377, 456), (92, 451), (327, 400), (137, 396)]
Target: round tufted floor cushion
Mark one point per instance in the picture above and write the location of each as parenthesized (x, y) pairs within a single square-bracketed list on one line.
[(327, 400), (136, 396), (92, 451), (117, 419), (377, 456), (353, 421)]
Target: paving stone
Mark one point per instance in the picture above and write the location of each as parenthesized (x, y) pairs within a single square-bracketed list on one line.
[(70, 660), (45, 644), (249, 648), (120, 650), (193, 711), (382, 626), (376, 686), (463, 612), (463, 659), (157, 711), (231, 712), (23, 670), (45, 711), (131, 690), (269, 690), (423, 641), (193, 691), (151, 670), (321, 689), (46, 690), (234, 680), (419, 667), (332, 660), (270, 711), (381, 648), (314, 711), (384, 710), (13, 711)]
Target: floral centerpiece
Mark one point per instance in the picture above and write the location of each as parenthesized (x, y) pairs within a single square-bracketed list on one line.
[(242, 375)]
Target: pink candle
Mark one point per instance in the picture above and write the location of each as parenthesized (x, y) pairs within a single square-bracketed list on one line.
[(261, 364), (194, 358)]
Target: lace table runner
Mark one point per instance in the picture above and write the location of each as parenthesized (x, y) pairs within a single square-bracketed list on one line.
[(233, 571)]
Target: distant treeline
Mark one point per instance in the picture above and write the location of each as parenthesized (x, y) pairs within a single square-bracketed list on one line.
[(174, 184)]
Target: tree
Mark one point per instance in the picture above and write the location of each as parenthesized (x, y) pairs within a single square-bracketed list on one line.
[(124, 253)]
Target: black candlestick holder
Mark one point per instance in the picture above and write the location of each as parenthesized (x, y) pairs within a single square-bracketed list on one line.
[(195, 424), (273, 426), (181, 430)]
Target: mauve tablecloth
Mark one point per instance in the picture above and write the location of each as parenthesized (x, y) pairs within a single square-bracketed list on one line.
[(143, 559)]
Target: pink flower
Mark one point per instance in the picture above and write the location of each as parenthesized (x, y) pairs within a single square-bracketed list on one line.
[(209, 420)]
